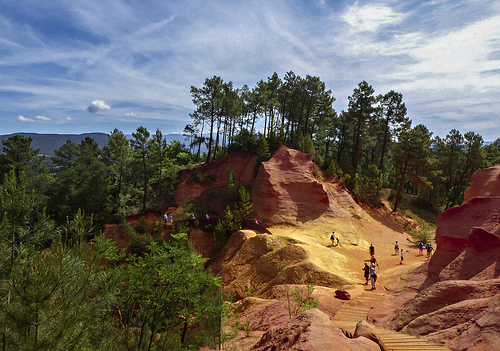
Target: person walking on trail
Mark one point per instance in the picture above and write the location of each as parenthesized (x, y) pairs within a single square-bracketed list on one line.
[(372, 250), (373, 277), (373, 261), (429, 250), (420, 248), (366, 270), (396, 248), (332, 238), (402, 253)]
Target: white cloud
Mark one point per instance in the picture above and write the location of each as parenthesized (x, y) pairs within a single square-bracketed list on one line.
[(43, 118), (371, 17), (25, 119), (131, 114), (68, 119), (98, 105)]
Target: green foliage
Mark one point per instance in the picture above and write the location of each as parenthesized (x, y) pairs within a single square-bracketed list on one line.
[(141, 227), (158, 227), (162, 295), (333, 169), (371, 186), (195, 177), (303, 301), (424, 234)]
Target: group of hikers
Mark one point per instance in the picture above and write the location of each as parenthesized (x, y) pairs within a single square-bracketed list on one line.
[(369, 269)]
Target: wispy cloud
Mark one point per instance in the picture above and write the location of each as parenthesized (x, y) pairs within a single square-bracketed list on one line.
[(371, 17), (441, 55), (25, 119), (43, 118)]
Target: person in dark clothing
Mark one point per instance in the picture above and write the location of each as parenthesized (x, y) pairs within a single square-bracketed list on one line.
[(366, 270), (372, 250)]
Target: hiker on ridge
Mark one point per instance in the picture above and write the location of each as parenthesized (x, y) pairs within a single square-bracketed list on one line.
[(332, 238)]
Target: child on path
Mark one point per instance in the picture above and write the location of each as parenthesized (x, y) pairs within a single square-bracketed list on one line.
[(366, 269), (402, 253)]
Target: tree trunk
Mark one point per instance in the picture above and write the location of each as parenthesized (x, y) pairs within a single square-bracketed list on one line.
[(396, 202)]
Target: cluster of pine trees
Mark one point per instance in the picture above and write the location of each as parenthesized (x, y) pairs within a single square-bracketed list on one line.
[(372, 145)]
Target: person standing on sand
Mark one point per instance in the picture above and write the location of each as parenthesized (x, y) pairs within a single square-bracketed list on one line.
[(372, 250), (366, 270), (402, 253), (373, 276), (373, 261), (396, 248), (332, 238)]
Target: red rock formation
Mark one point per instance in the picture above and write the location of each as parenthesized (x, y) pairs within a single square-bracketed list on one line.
[(286, 191), (471, 231), (485, 182), (441, 295), (307, 332), (215, 176), (463, 307)]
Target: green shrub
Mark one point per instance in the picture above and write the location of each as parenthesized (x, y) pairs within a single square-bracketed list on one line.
[(141, 228)]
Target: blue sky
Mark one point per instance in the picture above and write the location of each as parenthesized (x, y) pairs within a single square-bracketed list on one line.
[(92, 65)]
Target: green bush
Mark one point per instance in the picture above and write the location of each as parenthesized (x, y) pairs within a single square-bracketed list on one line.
[(141, 228)]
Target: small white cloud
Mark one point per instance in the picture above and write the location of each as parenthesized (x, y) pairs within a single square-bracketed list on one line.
[(98, 105), (43, 118), (131, 114), (68, 119), (371, 17), (25, 119)]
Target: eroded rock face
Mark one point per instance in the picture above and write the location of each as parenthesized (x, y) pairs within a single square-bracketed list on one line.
[(462, 305), (468, 236), (311, 331), (285, 190), (441, 295), (254, 263), (485, 182), (194, 183)]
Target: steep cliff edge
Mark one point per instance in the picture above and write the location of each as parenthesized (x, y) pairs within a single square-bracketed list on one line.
[(461, 294)]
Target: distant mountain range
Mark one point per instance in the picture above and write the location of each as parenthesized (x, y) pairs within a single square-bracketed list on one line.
[(47, 143)]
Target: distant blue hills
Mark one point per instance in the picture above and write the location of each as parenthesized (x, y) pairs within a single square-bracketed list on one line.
[(47, 143)]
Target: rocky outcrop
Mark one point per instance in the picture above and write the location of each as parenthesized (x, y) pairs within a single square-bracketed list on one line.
[(484, 183), (195, 183), (441, 295), (253, 263), (458, 228), (286, 191), (365, 329), (468, 236), (461, 302), (307, 332)]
